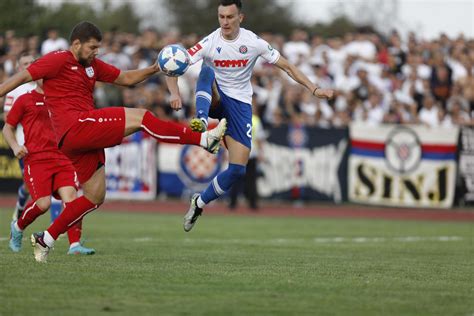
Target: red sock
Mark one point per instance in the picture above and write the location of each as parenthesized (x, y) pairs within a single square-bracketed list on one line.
[(169, 132), (31, 212), (74, 233), (73, 212)]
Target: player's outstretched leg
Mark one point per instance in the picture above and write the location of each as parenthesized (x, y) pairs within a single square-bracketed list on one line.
[(75, 245), (203, 99), (219, 185), (170, 132), (31, 212)]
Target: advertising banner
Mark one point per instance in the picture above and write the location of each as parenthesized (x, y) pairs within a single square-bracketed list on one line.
[(403, 166), (131, 169)]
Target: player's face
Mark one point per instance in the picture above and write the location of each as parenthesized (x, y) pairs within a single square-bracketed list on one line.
[(229, 20), (24, 62), (87, 51)]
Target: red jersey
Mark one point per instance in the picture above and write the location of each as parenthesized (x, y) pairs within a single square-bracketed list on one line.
[(69, 86), (30, 111)]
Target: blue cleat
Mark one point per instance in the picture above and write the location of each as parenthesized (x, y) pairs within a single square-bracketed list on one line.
[(81, 250), (15, 238)]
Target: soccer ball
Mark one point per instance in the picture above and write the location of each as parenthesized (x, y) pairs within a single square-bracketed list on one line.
[(173, 60)]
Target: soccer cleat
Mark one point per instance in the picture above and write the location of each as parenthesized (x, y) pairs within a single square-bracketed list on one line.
[(214, 137), (81, 250), (41, 250), (15, 238), (193, 213), (198, 125)]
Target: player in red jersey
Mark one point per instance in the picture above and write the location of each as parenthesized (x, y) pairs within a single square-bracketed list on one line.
[(83, 132), (47, 170)]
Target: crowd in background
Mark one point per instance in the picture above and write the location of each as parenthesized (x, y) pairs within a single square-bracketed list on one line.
[(377, 79)]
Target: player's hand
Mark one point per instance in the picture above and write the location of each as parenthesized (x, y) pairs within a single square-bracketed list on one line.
[(20, 151), (324, 93), (175, 101)]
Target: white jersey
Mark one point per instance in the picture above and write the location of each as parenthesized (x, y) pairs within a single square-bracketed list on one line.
[(10, 99), (233, 61)]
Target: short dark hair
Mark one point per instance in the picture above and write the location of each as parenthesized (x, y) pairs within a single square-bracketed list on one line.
[(226, 3), (84, 31)]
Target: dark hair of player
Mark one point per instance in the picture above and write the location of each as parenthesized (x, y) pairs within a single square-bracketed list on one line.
[(226, 3), (84, 31)]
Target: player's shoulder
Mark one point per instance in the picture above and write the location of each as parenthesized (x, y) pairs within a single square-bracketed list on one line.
[(58, 55), (248, 34)]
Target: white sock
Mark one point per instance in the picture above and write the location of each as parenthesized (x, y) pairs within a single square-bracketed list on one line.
[(48, 239), (203, 141), (17, 228), (74, 244), (200, 203)]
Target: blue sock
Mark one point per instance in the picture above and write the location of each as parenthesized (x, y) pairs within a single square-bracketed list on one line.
[(204, 92), (223, 182), (23, 196), (55, 208)]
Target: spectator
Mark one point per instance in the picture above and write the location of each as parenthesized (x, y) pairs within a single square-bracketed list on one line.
[(53, 42)]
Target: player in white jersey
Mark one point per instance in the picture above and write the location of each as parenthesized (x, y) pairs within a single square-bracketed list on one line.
[(229, 55), (23, 62)]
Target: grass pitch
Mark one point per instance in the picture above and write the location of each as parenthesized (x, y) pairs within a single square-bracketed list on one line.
[(237, 265)]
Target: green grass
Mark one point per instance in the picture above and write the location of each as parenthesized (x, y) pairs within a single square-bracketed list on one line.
[(235, 265)]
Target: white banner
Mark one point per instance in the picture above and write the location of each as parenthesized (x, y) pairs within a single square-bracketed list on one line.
[(404, 166)]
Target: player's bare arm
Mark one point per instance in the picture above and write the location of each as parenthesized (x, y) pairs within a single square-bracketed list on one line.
[(301, 78), (9, 135), (15, 81), (131, 77), (175, 99)]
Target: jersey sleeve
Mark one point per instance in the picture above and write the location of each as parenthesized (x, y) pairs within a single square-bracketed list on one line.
[(266, 51), (15, 114), (7, 106), (197, 52), (106, 72), (47, 66)]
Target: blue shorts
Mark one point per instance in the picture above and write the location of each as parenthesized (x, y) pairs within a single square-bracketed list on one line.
[(239, 118)]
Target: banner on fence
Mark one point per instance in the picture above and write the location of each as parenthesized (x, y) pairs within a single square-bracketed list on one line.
[(407, 166), (131, 169), (10, 172), (466, 165), (304, 163)]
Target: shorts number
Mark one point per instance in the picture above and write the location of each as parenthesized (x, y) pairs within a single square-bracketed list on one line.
[(249, 131)]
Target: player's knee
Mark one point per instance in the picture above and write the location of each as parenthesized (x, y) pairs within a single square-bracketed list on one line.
[(207, 74), (236, 172), (43, 203)]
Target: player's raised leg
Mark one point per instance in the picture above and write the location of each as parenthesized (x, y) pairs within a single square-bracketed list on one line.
[(203, 99), (171, 132)]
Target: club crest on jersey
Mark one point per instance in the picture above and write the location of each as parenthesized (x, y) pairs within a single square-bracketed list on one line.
[(243, 49), (90, 72)]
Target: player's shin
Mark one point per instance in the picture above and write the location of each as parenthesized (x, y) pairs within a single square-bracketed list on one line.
[(73, 212), (204, 93), (169, 132), (31, 212), (221, 184)]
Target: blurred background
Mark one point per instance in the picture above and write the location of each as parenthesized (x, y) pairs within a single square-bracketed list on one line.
[(398, 132)]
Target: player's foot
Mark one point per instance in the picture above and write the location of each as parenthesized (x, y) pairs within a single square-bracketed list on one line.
[(15, 238), (17, 212), (198, 124), (81, 250), (193, 213), (215, 135), (41, 250)]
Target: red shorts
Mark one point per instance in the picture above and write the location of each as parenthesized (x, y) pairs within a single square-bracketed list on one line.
[(85, 141), (45, 177)]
